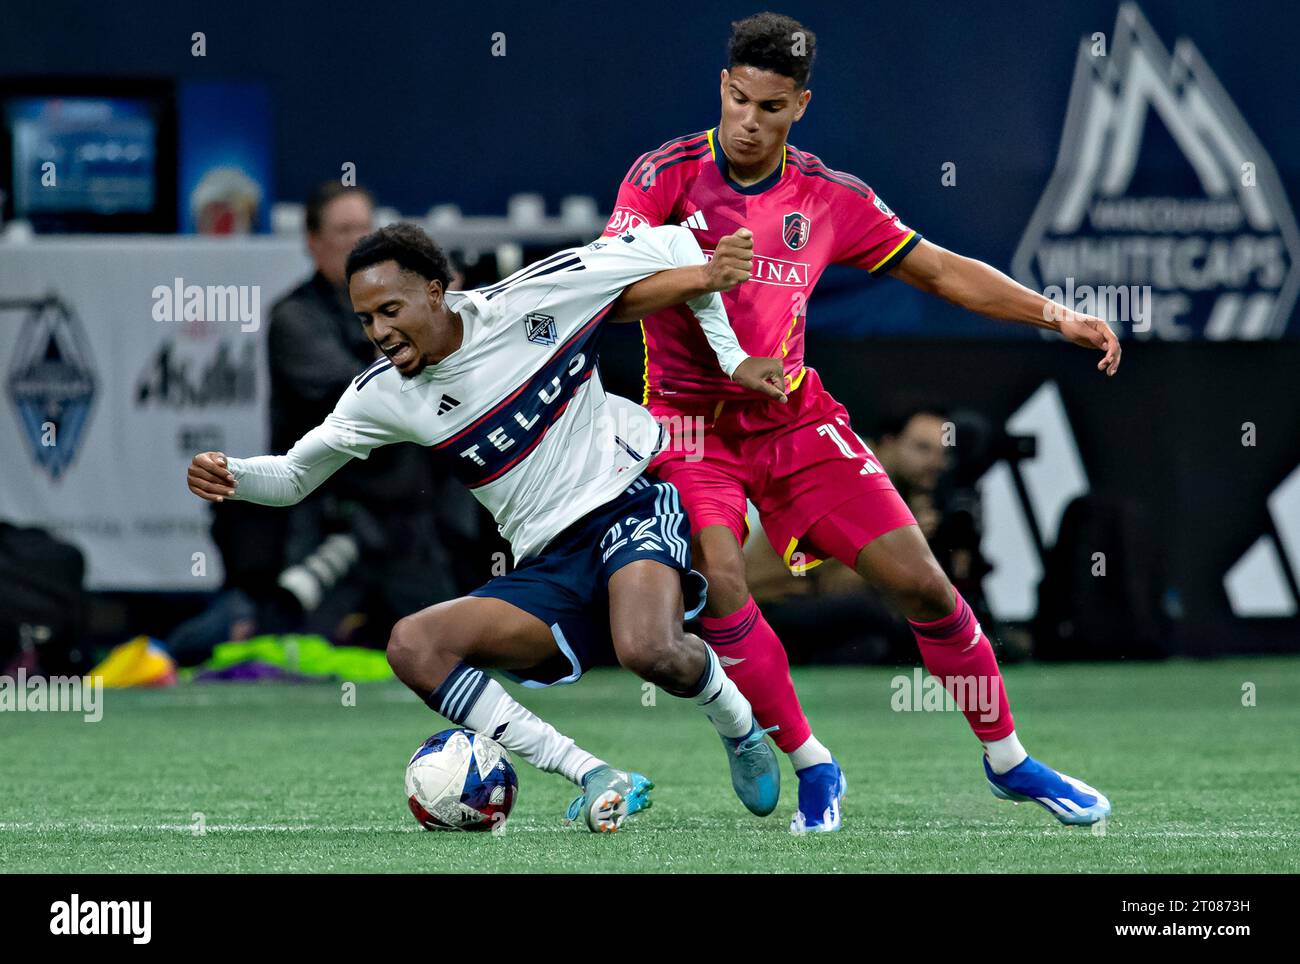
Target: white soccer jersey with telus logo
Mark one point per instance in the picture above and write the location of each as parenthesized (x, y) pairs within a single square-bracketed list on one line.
[(517, 412)]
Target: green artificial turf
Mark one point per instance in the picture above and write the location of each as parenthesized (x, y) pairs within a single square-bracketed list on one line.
[(288, 778)]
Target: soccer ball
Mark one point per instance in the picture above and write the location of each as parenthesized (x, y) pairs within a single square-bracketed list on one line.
[(461, 780)]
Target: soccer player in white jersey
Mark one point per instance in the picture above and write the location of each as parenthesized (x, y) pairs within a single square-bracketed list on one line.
[(502, 383)]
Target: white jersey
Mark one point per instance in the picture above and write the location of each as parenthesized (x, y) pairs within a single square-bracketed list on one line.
[(517, 412)]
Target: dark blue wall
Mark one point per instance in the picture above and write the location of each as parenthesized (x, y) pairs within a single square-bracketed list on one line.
[(411, 94)]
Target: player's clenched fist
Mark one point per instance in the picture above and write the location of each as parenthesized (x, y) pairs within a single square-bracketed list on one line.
[(209, 478), (733, 261), (763, 375)]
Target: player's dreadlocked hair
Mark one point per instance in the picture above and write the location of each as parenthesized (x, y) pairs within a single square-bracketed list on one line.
[(772, 41), (408, 245)]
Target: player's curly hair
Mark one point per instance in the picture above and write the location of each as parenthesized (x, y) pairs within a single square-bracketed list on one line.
[(408, 245), (775, 42)]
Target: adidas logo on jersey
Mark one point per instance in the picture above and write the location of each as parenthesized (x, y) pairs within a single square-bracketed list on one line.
[(446, 404), (696, 222)]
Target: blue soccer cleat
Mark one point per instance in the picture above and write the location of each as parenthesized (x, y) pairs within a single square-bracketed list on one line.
[(1070, 801), (608, 798), (755, 772), (821, 789)]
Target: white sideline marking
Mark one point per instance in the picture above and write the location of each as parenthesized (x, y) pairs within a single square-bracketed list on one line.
[(1158, 834)]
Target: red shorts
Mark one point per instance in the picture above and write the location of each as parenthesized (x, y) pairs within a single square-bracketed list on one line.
[(819, 490)]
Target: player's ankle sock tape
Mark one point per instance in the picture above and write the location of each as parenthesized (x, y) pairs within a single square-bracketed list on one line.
[(459, 691)]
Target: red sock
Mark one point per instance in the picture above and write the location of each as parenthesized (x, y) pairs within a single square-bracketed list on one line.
[(957, 652), (756, 662)]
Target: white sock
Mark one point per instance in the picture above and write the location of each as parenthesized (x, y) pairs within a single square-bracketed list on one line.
[(1006, 753), (728, 711), (809, 753), (472, 699)]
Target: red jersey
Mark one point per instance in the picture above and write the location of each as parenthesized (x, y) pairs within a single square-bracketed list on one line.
[(803, 216)]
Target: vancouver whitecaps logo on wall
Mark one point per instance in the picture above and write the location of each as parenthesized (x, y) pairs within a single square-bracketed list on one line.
[(1159, 181), (51, 381)]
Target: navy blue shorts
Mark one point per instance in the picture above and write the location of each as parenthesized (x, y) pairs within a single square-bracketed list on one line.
[(566, 585)]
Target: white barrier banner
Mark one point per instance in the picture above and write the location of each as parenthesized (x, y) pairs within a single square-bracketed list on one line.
[(121, 358)]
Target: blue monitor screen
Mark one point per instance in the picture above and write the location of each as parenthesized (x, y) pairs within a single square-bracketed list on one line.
[(83, 154)]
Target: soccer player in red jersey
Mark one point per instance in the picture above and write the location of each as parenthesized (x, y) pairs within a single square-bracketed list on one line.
[(820, 491)]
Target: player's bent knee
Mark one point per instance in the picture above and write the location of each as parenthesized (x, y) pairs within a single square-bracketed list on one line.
[(416, 646), (659, 658), (929, 595), (403, 647)]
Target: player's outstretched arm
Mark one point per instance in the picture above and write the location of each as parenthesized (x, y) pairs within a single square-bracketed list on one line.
[(267, 479), (984, 289)]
